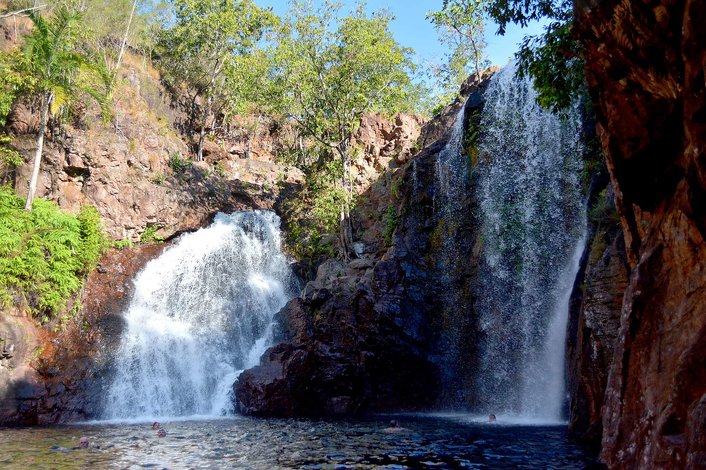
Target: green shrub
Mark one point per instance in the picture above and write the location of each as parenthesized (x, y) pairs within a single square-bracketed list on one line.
[(603, 210), (314, 214), (395, 187), (150, 235), (45, 253), (220, 170), (159, 178), (178, 164), (9, 158), (122, 244)]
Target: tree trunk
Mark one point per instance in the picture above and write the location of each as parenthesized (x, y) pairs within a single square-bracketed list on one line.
[(476, 55), (202, 134), (46, 100), (252, 137), (216, 71), (124, 43), (346, 227)]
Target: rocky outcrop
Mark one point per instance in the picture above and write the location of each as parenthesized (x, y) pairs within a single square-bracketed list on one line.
[(381, 333), (388, 141), (19, 383), (645, 65), (136, 170), (349, 349), (56, 375)]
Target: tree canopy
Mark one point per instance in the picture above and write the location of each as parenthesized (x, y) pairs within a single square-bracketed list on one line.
[(552, 59), (331, 70), (461, 25), (328, 71), (203, 45)]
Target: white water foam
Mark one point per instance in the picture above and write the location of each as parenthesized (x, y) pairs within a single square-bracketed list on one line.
[(533, 225), (202, 312)]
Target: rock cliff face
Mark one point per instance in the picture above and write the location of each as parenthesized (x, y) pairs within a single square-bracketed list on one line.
[(356, 340), (136, 170), (371, 335), (18, 381), (645, 68)]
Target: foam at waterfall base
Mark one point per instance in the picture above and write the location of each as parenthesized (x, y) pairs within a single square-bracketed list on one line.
[(502, 419), (158, 419)]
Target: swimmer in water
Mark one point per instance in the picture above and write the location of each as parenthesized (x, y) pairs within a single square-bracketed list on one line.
[(82, 443), (155, 425), (395, 427), (491, 418)]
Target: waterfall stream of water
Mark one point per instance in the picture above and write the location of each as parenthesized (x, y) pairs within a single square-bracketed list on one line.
[(533, 223), (201, 312)]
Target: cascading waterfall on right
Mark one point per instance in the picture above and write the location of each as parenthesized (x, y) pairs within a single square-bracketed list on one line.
[(533, 233)]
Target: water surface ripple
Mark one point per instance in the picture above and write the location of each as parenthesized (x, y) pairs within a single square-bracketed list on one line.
[(426, 442)]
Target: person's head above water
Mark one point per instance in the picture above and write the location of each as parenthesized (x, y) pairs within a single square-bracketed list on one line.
[(83, 443), (155, 425), (393, 424), (491, 418)]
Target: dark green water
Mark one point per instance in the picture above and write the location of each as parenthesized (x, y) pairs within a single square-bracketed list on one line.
[(425, 442)]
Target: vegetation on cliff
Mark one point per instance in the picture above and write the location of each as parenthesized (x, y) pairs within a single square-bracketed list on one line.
[(57, 71), (328, 71), (317, 73), (11, 82), (45, 254), (461, 26), (202, 49)]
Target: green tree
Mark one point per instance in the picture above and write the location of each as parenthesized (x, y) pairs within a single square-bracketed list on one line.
[(330, 71), (13, 81), (461, 25), (204, 42), (59, 70), (552, 59)]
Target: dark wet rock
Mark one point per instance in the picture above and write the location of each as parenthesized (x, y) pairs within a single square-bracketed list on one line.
[(58, 376), (595, 318), (374, 334)]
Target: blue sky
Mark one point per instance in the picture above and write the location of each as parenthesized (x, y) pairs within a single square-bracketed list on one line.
[(411, 29)]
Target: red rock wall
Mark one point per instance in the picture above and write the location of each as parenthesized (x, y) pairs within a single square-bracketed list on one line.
[(646, 63), (56, 376)]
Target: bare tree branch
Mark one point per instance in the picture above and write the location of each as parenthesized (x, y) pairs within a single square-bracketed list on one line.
[(22, 12)]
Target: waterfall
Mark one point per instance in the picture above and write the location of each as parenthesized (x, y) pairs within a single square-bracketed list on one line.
[(201, 313), (533, 223), (452, 168)]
